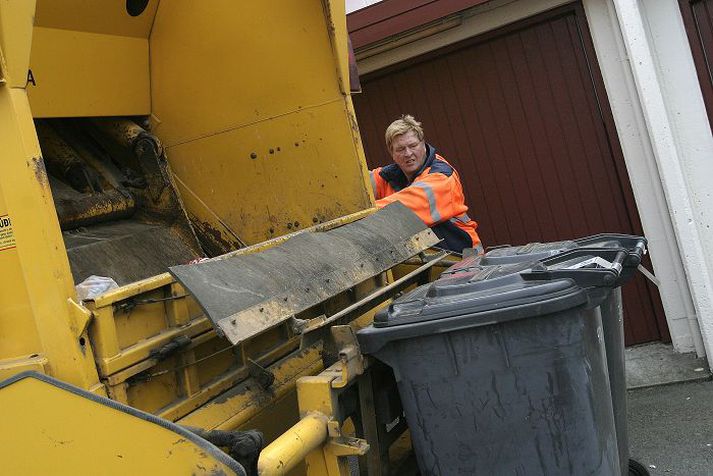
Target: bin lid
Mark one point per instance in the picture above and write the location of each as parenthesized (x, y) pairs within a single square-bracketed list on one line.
[(528, 253), (480, 296), (537, 251), (480, 290), (529, 281)]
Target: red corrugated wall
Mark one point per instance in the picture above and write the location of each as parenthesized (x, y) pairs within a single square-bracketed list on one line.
[(523, 115)]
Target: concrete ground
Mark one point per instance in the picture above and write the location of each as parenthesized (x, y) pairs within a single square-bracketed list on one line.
[(671, 428), (670, 411), (657, 364)]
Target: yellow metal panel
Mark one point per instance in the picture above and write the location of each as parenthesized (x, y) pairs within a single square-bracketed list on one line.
[(133, 289), (231, 64), (65, 432), (247, 400), (15, 40), (99, 16), (10, 367), (158, 391), (40, 281), (110, 363), (102, 333), (337, 18), (314, 393), (305, 170), (223, 382), (88, 74), (274, 420), (138, 322), (178, 311), (258, 132), (19, 334), (215, 356)]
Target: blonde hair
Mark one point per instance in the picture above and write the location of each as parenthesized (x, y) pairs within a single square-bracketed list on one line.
[(407, 123)]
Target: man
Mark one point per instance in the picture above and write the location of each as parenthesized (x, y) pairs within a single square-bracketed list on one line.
[(427, 184)]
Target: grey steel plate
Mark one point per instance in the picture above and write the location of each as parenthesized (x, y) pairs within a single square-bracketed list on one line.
[(247, 294)]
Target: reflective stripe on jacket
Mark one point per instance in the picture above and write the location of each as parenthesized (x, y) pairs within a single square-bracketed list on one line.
[(435, 195)]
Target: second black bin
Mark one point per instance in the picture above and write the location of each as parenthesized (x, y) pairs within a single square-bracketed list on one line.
[(502, 368), (626, 252)]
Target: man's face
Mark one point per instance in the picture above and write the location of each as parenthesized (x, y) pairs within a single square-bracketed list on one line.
[(408, 153)]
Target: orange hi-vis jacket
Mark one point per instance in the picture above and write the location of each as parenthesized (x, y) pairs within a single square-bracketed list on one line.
[(435, 195)]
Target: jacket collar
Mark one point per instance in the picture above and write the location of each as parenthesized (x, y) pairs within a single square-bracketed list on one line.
[(395, 176)]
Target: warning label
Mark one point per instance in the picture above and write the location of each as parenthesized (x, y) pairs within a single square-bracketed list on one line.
[(7, 237)]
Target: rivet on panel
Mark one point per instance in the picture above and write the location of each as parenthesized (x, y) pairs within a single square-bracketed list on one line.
[(253, 155)]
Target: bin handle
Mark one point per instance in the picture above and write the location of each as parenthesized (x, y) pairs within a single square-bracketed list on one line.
[(586, 277), (619, 259)]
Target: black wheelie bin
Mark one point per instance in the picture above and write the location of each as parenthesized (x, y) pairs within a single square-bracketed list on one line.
[(612, 310), (501, 368)]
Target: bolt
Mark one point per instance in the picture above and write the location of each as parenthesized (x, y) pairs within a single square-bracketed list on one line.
[(297, 224), (289, 226), (272, 151), (253, 155)]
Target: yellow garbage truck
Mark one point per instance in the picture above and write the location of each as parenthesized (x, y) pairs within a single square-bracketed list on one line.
[(188, 242)]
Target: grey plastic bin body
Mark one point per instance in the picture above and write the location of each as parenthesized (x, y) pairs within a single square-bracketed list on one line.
[(480, 419), (613, 324), (611, 308), (500, 374)]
